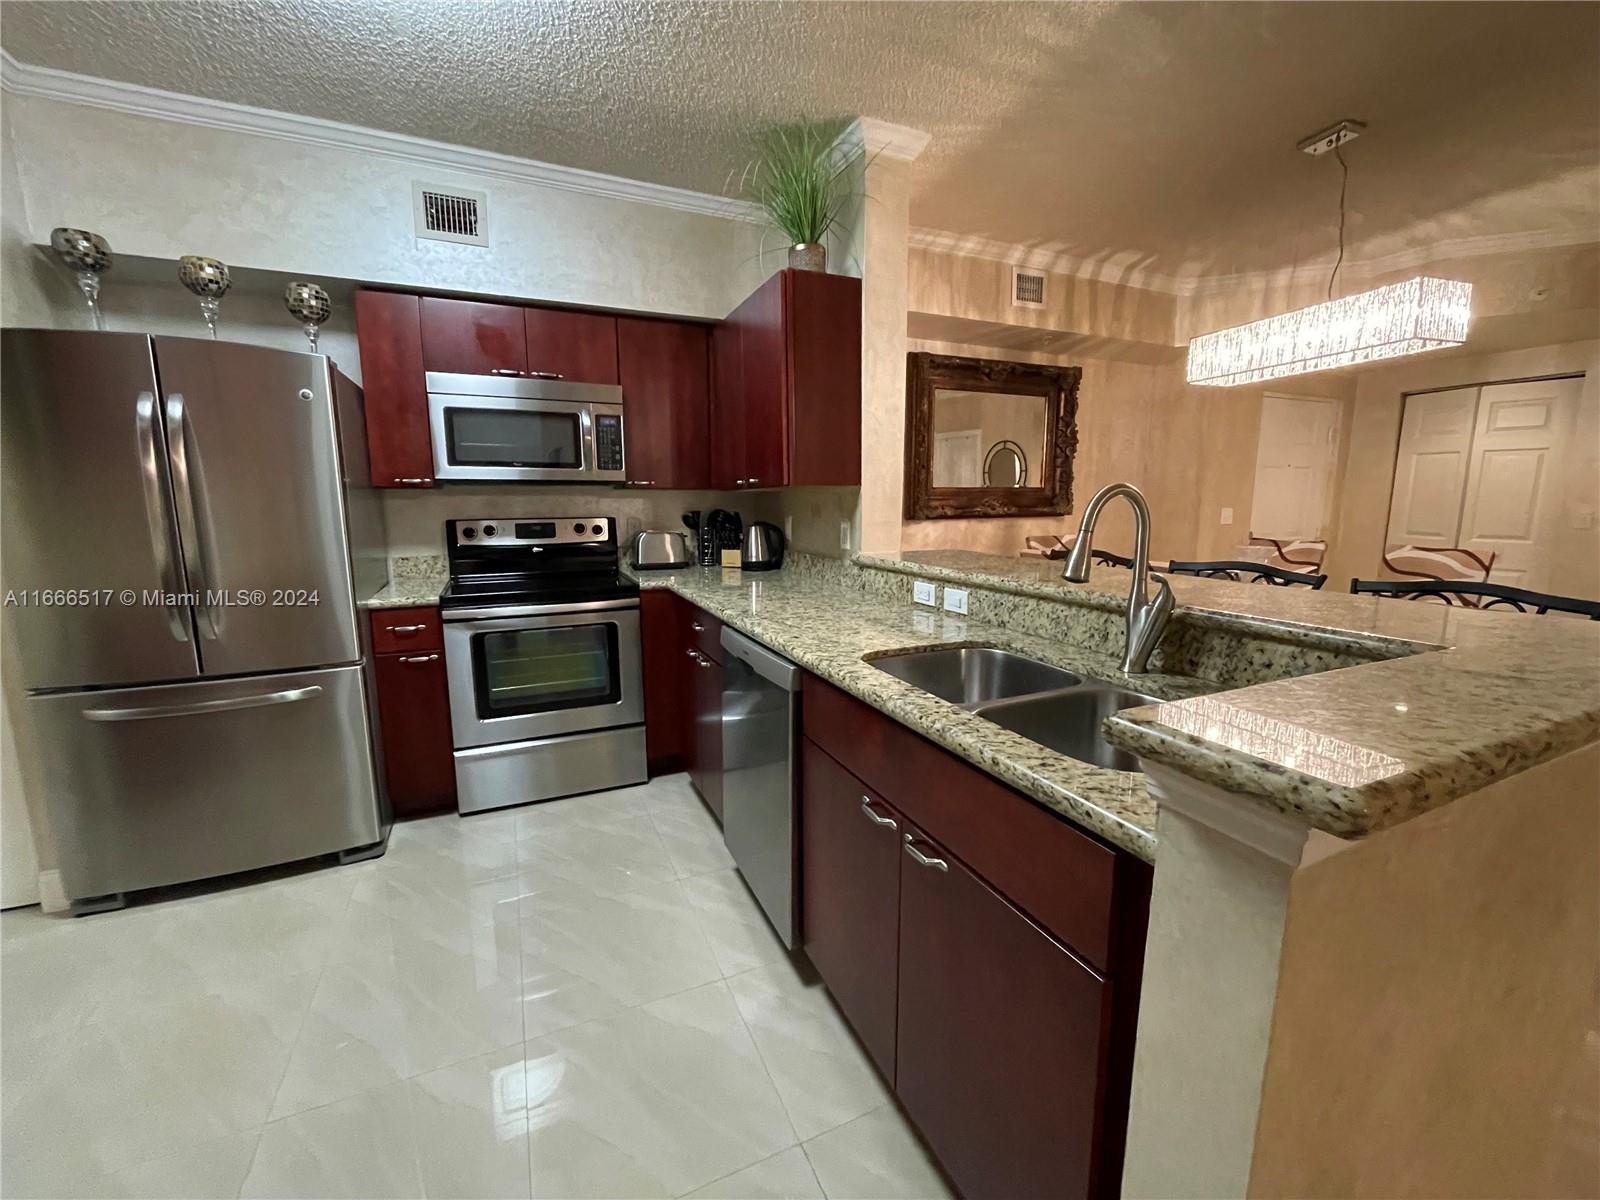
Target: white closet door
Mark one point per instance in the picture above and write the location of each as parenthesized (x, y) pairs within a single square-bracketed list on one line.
[(1430, 474), (1513, 488), (1294, 463)]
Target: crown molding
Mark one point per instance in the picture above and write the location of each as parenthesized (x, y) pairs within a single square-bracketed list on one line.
[(883, 139), (25, 79)]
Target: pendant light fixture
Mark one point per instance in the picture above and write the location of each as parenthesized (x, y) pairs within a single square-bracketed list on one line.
[(1401, 318)]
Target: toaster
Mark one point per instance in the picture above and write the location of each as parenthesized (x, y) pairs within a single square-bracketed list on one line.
[(660, 550)]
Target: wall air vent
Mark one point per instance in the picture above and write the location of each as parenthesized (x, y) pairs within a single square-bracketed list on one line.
[(1027, 288), (450, 214)]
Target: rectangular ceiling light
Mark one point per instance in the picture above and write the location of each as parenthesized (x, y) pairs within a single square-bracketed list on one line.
[(1387, 322)]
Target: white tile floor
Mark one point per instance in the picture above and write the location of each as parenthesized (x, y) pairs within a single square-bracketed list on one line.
[(577, 998)]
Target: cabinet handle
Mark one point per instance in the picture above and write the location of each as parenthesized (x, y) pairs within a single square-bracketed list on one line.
[(704, 661), (697, 627), (406, 629), (420, 658), (926, 860), (526, 374), (413, 480), (740, 482), (694, 654), (866, 807), (641, 483), (751, 482)]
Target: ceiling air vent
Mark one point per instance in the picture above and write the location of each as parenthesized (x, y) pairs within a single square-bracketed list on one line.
[(450, 214), (1027, 288)]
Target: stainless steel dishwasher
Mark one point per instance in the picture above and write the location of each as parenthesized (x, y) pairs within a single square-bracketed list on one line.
[(760, 771)]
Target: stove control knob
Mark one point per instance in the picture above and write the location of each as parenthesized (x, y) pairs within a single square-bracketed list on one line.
[(468, 533), (578, 528), (489, 531)]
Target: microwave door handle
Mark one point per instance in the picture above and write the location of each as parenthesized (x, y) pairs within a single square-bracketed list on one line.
[(586, 420), (162, 542), (191, 512)]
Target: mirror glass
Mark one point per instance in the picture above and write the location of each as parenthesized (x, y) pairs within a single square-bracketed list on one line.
[(967, 426)]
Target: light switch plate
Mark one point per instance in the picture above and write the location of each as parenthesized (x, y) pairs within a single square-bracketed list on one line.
[(955, 600), (1227, 516), (924, 592)]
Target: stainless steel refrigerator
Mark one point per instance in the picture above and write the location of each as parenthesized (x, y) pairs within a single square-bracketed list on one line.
[(188, 527)]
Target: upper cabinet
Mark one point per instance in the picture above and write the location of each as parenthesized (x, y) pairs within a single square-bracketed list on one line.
[(466, 337), (389, 331), (578, 346), (787, 412), (664, 368)]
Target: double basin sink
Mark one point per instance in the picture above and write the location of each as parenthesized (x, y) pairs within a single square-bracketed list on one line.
[(1056, 708)]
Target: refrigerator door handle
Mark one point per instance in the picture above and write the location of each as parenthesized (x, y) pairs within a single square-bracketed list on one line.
[(231, 704), (160, 520), (190, 512)]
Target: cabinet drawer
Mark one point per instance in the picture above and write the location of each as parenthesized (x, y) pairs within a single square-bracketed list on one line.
[(406, 630), (1062, 878), (703, 632)]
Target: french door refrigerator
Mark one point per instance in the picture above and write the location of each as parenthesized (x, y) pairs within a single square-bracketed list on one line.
[(188, 526)]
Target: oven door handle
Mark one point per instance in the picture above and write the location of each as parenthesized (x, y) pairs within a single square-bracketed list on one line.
[(536, 615)]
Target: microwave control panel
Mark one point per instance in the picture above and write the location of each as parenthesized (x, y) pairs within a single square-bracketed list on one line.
[(608, 442)]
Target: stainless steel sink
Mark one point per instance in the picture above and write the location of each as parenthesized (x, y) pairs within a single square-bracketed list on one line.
[(974, 675), (1069, 721)]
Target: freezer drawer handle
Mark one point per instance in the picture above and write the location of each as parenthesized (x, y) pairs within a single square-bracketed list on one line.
[(199, 708), (155, 511)]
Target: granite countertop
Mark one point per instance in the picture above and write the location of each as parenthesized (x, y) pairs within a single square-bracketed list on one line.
[(1472, 696), (827, 628), (408, 593)]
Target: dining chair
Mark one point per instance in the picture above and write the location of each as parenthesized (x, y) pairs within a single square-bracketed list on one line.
[(1248, 572), (1472, 593)]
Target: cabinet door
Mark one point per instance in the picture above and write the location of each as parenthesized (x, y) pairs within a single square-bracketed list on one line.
[(664, 369), (727, 406), (389, 333), (823, 319), (414, 715), (850, 897), (578, 346), (705, 752), (764, 377), (467, 337), (1001, 1036), (667, 671)]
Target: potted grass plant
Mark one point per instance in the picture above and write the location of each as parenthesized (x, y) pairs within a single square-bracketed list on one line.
[(797, 181)]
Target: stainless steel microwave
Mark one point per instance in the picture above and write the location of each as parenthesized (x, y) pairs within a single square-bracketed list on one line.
[(522, 429)]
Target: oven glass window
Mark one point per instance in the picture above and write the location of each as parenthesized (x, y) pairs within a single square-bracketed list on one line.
[(539, 670), (500, 437)]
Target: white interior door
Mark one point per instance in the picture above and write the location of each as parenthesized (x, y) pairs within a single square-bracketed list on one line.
[(958, 458), (1294, 464), (1514, 477), (1430, 473)]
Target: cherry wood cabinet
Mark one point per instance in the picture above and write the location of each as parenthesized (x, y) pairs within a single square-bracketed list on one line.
[(406, 630), (850, 897), (664, 368), (703, 656), (1013, 964), (668, 672), (578, 346), (469, 337), (1002, 1035), (389, 334), (414, 724), (787, 410)]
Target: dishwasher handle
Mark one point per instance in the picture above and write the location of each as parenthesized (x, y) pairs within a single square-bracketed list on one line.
[(774, 668)]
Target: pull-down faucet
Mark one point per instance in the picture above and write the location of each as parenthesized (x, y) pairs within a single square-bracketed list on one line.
[(1147, 618)]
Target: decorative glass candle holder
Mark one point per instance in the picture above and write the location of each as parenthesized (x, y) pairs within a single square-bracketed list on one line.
[(89, 257), (308, 304), (208, 279)]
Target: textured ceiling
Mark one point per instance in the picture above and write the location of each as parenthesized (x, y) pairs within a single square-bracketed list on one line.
[(1151, 135)]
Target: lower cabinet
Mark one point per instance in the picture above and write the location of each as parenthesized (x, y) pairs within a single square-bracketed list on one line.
[(850, 897), (1002, 1034), (414, 715), (667, 674), (705, 738)]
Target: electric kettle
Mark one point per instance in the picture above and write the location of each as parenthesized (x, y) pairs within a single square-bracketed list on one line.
[(763, 547)]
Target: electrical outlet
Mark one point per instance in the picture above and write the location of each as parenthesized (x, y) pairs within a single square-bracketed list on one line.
[(788, 529), (844, 535), (1227, 516), (955, 600), (920, 623), (924, 592)]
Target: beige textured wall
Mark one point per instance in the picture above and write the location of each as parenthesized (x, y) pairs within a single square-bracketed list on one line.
[(1356, 547), (884, 228), (1437, 1031)]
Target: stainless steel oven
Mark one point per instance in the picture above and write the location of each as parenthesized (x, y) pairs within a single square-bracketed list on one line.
[(519, 429)]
